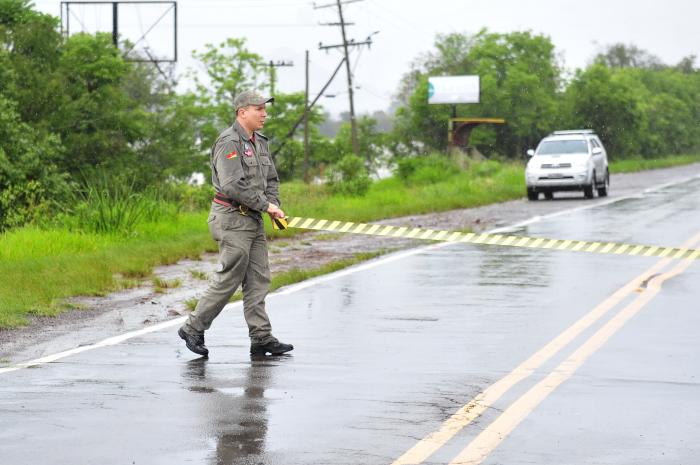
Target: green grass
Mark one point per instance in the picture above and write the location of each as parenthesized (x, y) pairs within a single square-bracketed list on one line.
[(191, 304), (640, 164), (197, 274), (161, 285), (40, 268)]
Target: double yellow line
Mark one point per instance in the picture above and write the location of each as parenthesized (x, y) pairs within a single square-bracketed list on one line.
[(481, 446), (614, 248)]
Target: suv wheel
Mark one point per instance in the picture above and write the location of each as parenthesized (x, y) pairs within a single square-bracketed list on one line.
[(532, 194), (549, 195), (603, 190), (588, 190)]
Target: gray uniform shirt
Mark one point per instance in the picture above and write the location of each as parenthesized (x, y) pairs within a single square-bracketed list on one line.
[(243, 170)]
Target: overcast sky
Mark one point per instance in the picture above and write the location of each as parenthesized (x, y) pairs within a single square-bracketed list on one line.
[(283, 30)]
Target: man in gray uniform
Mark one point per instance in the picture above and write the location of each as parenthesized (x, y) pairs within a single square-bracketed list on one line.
[(246, 185)]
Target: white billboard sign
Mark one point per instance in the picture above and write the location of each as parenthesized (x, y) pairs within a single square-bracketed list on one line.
[(453, 89)]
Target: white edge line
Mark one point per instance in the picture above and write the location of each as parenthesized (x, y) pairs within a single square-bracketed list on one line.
[(321, 279)]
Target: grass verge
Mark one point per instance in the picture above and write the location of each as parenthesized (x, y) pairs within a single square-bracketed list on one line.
[(630, 165), (40, 268)]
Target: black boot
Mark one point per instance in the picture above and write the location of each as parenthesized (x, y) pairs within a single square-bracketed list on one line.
[(194, 343), (274, 347)]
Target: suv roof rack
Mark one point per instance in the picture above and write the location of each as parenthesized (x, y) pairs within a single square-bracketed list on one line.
[(573, 131)]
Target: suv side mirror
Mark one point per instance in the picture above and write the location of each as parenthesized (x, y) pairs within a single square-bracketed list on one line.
[(530, 153), (597, 150)]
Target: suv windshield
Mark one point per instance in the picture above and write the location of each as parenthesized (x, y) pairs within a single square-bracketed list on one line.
[(551, 147)]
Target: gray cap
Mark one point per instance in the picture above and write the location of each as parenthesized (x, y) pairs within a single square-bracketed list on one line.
[(250, 97)]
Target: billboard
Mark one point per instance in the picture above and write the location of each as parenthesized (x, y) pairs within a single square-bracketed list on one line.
[(453, 89)]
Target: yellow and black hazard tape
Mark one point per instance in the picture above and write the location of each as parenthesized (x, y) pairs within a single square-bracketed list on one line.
[(613, 248)]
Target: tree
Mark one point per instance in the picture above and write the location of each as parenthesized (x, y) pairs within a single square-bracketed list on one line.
[(30, 50), (600, 100), (29, 179), (519, 77), (230, 68), (627, 56), (98, 122), (171, 145), (370, 141)]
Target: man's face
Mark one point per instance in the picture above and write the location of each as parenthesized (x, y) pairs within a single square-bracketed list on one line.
[(253, 116)]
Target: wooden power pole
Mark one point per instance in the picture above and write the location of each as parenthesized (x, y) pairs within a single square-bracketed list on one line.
[(306, 122), (345, 46)]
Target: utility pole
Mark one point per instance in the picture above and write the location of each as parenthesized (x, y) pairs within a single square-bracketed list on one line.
[(353, 124), (272, 65), (306, 123), (115, 24), (290, 133), (345, 46)]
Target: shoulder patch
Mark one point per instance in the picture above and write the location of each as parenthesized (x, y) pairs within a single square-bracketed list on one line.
[(225, 148)]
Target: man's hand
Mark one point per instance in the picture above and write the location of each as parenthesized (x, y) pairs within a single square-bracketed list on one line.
[(274, 211)]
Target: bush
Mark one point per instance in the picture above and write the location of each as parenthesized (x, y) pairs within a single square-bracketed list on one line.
[(30, 183), (111, 204), (187, 197), (21, 204), (348, 177), (426, 169)]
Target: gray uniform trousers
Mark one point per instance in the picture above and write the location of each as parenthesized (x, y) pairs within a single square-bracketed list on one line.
[(242, 259)]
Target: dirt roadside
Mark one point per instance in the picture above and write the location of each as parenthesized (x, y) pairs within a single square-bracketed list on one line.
[(102, 317)]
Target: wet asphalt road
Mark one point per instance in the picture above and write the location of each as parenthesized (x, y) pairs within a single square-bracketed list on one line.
[(385, 355)]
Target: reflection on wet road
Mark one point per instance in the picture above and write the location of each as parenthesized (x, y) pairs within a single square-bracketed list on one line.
[(391, 362)]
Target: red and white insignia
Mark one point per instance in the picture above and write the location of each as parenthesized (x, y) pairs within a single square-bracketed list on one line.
[(231, 155)]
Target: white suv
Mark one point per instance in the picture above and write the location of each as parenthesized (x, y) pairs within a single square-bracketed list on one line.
[(568, 161)]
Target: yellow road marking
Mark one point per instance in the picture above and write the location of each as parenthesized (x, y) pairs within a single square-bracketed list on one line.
[(502, 426), (465, 415)]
